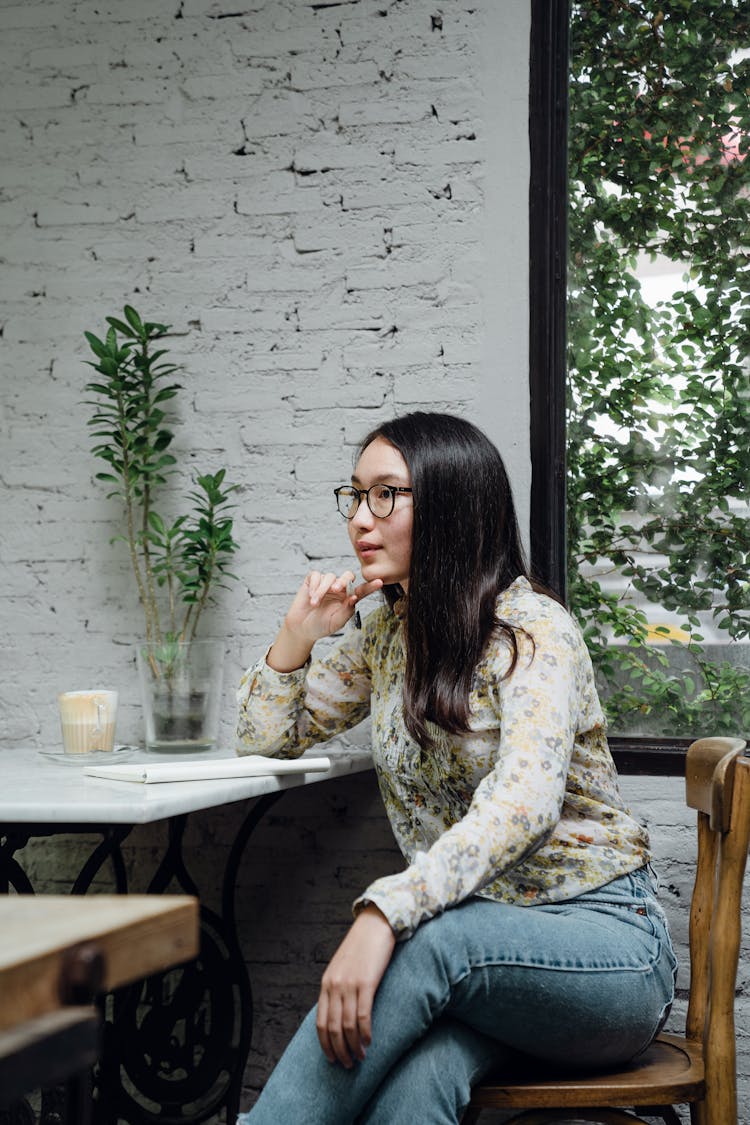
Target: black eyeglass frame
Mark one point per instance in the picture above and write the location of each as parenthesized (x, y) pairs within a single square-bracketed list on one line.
[(394, 489)]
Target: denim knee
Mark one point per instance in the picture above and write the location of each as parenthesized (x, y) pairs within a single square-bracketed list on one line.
[(439, 1071)]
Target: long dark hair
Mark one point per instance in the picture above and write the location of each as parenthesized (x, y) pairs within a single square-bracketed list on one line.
[(466, 550)]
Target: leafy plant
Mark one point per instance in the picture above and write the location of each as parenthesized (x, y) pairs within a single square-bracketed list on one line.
[(188, 557), (659, 457)]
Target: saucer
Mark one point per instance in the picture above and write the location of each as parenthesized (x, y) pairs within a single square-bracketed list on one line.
[(94, 757)]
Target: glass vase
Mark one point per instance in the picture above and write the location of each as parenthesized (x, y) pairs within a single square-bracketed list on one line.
[(180, 684)]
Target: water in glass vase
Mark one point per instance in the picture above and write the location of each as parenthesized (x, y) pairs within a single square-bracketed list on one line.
[(180, 686)]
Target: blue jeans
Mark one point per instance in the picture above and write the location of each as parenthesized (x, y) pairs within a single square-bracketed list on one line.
[(587, 982)]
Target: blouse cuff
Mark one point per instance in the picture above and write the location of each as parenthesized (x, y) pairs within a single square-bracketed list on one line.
[(401, 930), (264, 670)]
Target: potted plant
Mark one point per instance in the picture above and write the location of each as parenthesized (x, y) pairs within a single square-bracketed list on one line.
[(177, 564)]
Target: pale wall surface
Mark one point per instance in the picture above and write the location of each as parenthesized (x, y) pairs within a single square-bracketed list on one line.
[(328, 203), (299, 190)]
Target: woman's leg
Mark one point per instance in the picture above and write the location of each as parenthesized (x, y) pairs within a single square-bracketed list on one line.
[(582, 982), (431, 1082), (437, 1074)]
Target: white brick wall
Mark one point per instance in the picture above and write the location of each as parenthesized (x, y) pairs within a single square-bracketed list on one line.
[(328, 203), (297, 189)]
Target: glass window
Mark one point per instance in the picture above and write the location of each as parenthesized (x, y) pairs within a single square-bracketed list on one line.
[(658, 359)]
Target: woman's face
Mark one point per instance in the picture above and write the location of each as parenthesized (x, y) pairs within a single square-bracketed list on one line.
[(383, 546)]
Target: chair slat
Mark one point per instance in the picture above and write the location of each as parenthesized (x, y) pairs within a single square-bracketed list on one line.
[(701, 915)]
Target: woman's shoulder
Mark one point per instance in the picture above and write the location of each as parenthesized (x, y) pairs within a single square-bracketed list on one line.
[(520, 599), (537, 614), (543, 630)]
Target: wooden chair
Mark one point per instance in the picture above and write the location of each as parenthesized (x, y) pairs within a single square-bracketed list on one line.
[(698, 1068)]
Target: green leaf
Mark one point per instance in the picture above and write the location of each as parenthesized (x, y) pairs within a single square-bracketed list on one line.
[(120, 326), (96, 345), (108, 366), (133, 320)]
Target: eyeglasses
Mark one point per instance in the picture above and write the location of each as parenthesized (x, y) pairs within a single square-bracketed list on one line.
[(380, 499)]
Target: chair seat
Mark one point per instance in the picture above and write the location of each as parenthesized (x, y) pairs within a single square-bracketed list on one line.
[(669, 1071)]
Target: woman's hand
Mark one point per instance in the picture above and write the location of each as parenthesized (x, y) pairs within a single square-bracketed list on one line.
[(349, 985), (324, 603), (321, 606)]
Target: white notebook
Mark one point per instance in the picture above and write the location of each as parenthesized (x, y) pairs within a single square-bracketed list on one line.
[(212, 769)]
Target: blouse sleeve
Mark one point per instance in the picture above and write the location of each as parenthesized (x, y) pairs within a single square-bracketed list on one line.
[(517, 805), (282, 714)]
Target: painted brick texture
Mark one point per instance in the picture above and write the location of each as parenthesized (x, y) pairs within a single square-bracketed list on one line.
[(300, 189), (297, 189)]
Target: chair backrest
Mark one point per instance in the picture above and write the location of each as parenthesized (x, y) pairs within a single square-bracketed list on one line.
[(717, 781)]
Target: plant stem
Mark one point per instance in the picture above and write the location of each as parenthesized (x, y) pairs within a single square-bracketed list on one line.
[(153, 610), (170, 592), (129, 511), (203, 599)]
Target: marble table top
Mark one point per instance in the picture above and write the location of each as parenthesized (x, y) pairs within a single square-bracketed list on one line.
[(38, 789)]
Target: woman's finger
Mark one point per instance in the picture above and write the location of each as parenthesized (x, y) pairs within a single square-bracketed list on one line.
[(321, 1025), (343, 585), (350, 1023), (324, 585), (346, 582), (365, 998), (312, 581), (366, 588), (336, 1032)]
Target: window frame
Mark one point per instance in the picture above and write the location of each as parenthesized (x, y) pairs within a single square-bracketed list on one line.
[(548, 225)]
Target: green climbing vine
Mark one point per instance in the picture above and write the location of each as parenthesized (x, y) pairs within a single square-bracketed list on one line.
[(659, 393)]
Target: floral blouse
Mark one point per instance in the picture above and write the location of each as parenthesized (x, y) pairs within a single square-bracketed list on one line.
[(524, 809)]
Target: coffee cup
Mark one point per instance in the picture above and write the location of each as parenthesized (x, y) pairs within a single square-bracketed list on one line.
[(88, 720)]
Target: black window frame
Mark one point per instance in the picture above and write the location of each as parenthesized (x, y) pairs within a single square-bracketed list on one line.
[(548, 221)]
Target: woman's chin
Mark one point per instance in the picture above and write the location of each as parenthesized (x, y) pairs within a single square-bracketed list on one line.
[(374, 569), (385, 579), (371, 573)]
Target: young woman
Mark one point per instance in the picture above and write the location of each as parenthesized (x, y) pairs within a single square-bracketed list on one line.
[(525, 918)]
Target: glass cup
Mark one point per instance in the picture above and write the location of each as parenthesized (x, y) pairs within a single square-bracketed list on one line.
[(88, 720)]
